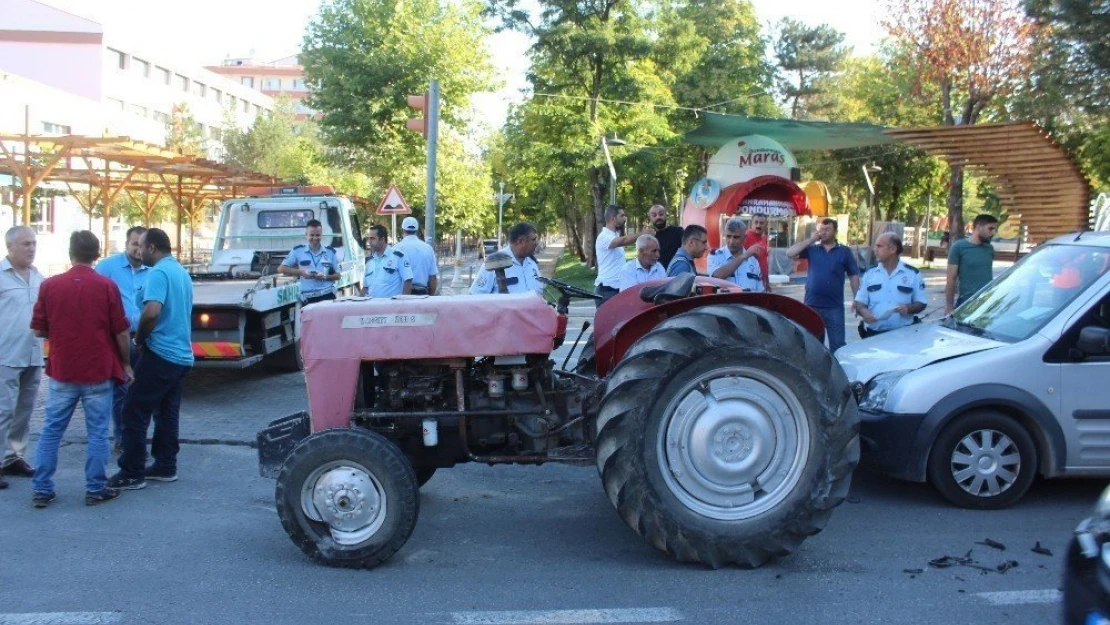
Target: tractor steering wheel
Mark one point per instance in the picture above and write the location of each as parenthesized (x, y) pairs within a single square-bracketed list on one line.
[(568, 289)]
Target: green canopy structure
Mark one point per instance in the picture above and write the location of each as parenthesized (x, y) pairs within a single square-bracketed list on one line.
[(795, 135)]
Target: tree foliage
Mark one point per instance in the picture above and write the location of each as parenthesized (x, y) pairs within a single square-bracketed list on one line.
[(970, 53), (808, 58)]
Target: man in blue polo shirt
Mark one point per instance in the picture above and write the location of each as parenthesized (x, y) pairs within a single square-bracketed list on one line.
[(829, 262), (127, 270), (165, 356)]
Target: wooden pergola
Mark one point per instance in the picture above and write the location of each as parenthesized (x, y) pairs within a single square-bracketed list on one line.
[(1035, 178), (109, 166)]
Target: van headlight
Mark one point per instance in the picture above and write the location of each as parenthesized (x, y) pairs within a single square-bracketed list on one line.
[(878, 389)]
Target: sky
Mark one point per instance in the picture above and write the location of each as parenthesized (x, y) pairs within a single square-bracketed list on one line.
[(204, 32)]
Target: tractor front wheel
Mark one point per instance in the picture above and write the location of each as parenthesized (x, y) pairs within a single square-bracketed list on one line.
[(727, 435), (348, 497)]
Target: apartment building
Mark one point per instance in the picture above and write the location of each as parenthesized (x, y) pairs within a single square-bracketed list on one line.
[(281, 78)]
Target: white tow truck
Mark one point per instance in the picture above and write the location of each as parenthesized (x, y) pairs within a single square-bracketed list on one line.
[(244, 311)]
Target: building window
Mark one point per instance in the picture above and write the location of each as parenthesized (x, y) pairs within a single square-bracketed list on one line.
[(55, 129), (246, 106), (199, 89), (257, 110), (114, 104), (217, 95), (272, 84), (183, 82), (298, 84), (231, 102), (161, 117), (42, 214), (247, 81), (118, 59), (141, 67), (141, 111), (164, 75), (215, 133)]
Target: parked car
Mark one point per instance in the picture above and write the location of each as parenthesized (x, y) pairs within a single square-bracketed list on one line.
[(1086, 569), (1012, 384)]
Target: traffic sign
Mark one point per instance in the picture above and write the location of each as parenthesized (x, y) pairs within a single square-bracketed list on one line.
[(393, 203)]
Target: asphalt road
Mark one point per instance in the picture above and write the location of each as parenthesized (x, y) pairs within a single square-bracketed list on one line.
[(496, 545), (510, 545)]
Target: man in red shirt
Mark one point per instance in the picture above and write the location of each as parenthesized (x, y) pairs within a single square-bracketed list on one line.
[(81, 313), (757, 234)]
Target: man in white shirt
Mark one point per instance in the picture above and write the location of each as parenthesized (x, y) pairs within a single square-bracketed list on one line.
[(521, 276), (734, 263), (609, 250), (421, 257), (645, 266)]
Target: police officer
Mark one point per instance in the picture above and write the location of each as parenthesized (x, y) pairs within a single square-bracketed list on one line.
[(521, 277), (387, 270), (734, 263), (316, 265), (421, 257), (891, 292)]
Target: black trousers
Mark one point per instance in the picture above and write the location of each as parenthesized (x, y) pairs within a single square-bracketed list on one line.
[(155, 392), (606, 293)]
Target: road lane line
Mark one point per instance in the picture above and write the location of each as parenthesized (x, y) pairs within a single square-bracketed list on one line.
[(60, 618), (1021, 597), (567, 617)]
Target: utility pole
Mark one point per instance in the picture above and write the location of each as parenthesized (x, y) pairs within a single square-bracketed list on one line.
[(500, 211)]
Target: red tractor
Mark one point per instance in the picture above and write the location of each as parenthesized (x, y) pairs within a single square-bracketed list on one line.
[(724, 431)]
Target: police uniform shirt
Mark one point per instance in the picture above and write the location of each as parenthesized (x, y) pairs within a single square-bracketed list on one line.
[(634, 273), (421, 257), (882, 292), (386, 273), (521, 277), (323, 261), (747, 276)]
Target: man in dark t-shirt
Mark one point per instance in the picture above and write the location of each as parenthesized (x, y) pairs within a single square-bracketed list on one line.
[(970, 263), (670, 237), (829, 263)]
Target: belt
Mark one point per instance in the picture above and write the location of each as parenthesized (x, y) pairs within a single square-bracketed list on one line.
[(605, 286)]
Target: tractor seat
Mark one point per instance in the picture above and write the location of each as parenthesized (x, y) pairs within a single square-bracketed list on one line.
[(677, 287)]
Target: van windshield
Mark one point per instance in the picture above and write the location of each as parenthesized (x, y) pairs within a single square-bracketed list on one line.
[(1030, 294)]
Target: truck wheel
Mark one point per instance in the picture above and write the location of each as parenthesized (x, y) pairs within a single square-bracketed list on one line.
[(287, 359), (727, 435), (348, 498), (983, 460)]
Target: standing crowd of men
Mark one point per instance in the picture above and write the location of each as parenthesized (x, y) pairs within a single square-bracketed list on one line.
[(119, 337)]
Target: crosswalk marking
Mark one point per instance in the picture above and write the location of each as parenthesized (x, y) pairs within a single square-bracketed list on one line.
[(60, 618), (567, 617), (1021, 597)]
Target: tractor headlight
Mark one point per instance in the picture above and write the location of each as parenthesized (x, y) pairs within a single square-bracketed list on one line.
[(878, 389)]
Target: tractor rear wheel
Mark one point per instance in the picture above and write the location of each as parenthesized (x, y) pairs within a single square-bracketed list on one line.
[(348, 497), (727, 435)]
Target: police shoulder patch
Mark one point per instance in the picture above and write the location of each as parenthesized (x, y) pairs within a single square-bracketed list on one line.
[(398, 253), (299, 247), (911, 268), (329, 248)]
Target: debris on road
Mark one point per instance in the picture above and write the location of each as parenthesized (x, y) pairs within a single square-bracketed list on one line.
[(994, 544)]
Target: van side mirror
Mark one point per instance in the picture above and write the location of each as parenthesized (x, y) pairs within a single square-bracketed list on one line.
[(1094, 341)]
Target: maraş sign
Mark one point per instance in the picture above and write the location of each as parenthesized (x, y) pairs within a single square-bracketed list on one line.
[(759, 156)]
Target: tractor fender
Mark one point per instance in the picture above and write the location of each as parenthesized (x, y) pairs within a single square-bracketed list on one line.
[(625, 317)]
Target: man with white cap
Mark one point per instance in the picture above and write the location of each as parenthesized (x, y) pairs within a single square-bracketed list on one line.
[(421, 257)]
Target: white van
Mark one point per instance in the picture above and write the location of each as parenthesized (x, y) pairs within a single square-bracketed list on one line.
[(1014, 383)]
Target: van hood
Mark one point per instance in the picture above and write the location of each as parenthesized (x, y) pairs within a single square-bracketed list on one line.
[(907, 348)]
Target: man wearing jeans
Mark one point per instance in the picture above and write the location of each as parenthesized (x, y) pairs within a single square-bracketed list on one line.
[(829, 262), (165, 356), (82, 315), (127, 270)]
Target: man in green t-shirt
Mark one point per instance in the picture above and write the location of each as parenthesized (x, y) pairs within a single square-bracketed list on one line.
[(970, 263)]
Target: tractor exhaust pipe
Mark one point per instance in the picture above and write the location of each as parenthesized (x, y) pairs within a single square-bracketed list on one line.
[(585, 326)]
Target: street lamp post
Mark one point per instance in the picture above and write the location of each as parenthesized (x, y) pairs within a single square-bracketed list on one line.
[(605, 143), (867, 171), (502, 197)]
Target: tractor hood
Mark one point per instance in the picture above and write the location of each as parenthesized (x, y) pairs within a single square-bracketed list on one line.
[(907, 349)]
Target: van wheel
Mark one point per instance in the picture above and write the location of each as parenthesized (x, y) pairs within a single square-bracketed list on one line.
[(983, 460)]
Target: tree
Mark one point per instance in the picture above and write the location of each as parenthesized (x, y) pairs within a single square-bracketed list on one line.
[(183, 133), (972, 52), (363, 57), (1081, 27), (807, 57)]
